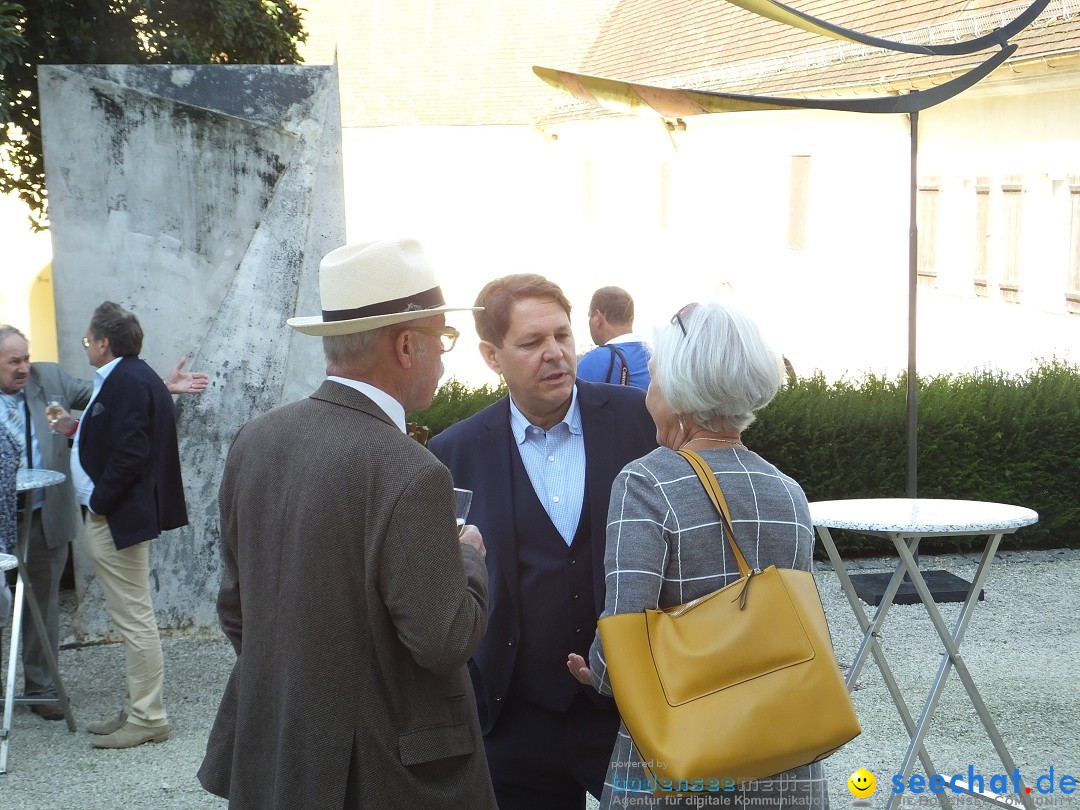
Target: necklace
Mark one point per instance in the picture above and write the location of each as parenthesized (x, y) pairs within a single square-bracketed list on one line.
[(733, 442)]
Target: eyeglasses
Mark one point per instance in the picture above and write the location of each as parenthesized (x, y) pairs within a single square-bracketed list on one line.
[(86, 343), (447, 335), (678, 316)]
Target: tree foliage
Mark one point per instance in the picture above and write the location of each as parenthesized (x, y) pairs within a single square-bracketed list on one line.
[(455, 401), (10, 38), (88, 32)]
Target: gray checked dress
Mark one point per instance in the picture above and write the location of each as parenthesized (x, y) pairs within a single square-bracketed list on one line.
[(665, 546), (10, 451)]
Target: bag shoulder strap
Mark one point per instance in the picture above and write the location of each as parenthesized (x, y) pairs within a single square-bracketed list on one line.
[(624, 372), (716, 495)]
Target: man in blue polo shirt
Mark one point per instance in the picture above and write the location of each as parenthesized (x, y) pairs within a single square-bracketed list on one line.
[(620, 356)]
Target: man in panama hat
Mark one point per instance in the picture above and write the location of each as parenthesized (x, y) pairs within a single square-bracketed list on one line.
[(351, 602)]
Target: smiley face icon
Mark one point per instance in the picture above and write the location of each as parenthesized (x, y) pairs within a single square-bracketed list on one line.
[(862, 784)]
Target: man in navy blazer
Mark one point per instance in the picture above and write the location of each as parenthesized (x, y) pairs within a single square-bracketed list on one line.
[(53, 513), (540, 463), (125, 467)]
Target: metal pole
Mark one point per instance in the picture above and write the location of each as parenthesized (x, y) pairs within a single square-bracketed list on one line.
[(913, 287)]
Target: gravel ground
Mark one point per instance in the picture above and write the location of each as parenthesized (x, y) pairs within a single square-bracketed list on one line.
[(1022, 647)]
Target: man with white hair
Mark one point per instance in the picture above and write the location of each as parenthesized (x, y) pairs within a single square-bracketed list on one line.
[(350, 601)]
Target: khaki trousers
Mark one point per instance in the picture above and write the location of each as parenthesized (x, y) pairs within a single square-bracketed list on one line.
[(125, 578)]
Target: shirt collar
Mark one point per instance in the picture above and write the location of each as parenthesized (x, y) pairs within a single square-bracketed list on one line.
[(519, 424), (107, 369), (387, 404), (9, 401), (629, 337)]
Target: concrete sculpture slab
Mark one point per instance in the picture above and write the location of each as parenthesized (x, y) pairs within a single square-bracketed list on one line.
[(201, 198)]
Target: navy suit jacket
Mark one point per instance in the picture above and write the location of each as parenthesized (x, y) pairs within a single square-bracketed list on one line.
[(616, 428), (127, 445)]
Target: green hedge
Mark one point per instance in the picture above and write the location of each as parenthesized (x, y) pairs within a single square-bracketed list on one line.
[(985, 436)]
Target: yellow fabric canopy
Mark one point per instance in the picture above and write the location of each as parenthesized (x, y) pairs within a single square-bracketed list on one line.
[(645, 99)]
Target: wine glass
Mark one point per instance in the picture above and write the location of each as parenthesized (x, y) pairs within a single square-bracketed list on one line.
[(462, 502), (53, 409)]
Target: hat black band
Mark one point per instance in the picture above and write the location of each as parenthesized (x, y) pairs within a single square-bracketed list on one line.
[(428, 299)]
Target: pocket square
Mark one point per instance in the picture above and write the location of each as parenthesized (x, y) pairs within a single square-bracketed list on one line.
[(97, 409)]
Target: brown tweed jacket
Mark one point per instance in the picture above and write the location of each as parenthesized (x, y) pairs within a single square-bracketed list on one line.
[(353, 609)]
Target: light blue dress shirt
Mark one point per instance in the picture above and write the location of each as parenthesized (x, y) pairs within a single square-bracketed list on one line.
[(555, 462), (83, 484), (18, 400)]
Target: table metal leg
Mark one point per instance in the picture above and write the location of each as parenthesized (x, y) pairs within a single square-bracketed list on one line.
[(9, 687), (871, 629), (870, 633), (50, 656), (24, 594), (953, 659)]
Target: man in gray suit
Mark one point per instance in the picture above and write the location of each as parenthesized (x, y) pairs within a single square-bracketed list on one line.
[(350, 601), (54, 513)]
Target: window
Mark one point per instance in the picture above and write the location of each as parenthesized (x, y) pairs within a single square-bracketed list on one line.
[(982, 235), (587, 188), (1012, 196), (799, 202), (1072, 293), (664, 197)]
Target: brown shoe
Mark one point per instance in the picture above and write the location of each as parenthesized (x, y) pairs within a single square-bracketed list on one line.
[(129, 735), (107, 726), (48, 711)]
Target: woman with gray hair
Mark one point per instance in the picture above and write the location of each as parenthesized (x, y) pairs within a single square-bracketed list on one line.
[(711, 370)]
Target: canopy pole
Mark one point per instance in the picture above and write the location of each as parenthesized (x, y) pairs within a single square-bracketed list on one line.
[(913, 287)]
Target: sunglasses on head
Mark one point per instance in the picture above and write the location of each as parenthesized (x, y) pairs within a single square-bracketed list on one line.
[(678, 316)]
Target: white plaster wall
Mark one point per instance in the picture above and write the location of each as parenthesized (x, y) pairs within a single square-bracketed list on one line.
[(587, 210), (25, 255), (686, 215), (203, 199)]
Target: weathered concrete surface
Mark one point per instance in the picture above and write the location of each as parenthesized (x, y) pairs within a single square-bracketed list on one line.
[(202, 198)]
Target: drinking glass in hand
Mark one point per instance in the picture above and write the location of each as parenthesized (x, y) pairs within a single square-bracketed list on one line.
[(53, 410), (462, 502)]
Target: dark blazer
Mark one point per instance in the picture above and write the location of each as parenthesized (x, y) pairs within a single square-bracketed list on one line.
[(127, 445), (353, 610), (617, 429)]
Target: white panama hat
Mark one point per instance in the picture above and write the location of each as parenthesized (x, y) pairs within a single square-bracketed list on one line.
[(374, 284)]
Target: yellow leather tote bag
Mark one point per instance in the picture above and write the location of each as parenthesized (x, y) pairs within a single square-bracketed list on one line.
[(739, 684)]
